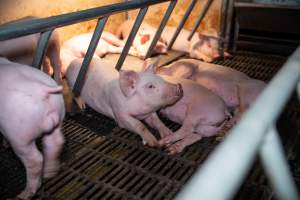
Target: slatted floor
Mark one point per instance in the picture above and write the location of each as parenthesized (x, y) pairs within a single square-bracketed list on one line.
[(102, 161)]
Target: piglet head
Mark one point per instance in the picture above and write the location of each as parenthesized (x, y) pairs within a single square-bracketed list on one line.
[(150, 90), (205, 48)]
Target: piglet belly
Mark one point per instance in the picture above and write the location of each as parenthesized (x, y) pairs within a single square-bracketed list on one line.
[(175, 113)]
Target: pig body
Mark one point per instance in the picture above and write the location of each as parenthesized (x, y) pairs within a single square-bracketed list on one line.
[(201, 113), (127, 97), (236, 89), (143, 38), (22, 50), (200, 46), (31, 107), (77, 46)]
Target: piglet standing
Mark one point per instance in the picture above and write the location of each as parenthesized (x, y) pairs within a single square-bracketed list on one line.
[(126, 96), (31, 106)]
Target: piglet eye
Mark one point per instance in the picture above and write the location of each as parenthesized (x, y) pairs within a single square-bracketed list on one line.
[(151, 86)]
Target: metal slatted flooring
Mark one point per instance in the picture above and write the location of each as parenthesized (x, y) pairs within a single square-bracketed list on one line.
[(102, 161)]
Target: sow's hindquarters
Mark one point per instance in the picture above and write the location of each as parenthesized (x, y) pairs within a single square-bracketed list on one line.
[(100, 160)]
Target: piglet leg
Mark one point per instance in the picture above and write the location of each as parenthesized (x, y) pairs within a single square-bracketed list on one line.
[(187, 128), (154, 121), (134, 125), (33, 162), (180, 145), (52, 145)]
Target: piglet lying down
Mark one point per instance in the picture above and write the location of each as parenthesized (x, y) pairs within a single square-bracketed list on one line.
[(126, 96), (237, 89), (31, 106)]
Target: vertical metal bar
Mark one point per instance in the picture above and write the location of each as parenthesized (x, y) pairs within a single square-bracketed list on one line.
[(131, 36), (276, 167), (201, 16), (222, 26), (161, 27), (229, 19), (41, 49), (182, 22), (88, 57)]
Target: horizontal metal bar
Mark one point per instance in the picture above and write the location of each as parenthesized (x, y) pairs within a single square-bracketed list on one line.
[(45, 24), (201, 16), (88, 56), (276, 166), (182, 22), (134, 30), (161, 27), (41, 49), (228, 165)]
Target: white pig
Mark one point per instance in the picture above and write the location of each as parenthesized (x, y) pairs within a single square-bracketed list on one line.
[(126, 96), (200, 111), (200, 46), (236, 88), (77, 46), (31, 107)]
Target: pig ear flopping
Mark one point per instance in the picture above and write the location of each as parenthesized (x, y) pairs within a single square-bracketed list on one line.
[(128, 82), (150, 66)]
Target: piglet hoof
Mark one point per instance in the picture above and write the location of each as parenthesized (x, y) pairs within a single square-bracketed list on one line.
[(175, 148), (50, 170), (151, 141), (25, 195)]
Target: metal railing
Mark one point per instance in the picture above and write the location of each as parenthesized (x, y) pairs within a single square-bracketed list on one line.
[(222, 174)]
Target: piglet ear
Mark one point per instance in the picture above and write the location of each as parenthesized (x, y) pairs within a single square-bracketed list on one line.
[(128, 82), (150, 66)]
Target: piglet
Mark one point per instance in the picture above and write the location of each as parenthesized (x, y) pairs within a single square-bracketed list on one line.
[(201, 113), (143, 38), (31, 107), (201, 46), (236, 88), (126, 96), (77, 46)]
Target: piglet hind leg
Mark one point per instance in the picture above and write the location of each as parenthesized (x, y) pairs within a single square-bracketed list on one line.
[(33, 162), (52, 146), (186, 141)]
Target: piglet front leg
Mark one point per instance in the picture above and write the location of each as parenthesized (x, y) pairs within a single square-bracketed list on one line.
[(154, 121), (130, 123)]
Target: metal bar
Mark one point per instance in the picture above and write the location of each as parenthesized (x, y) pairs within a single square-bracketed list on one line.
[(41, 49), (161, 27), (276, 167), (182, 22), (229, 19), (231, 160), (88, 56), (222, 27), (131, 36), (42, 25), (201, 16)]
